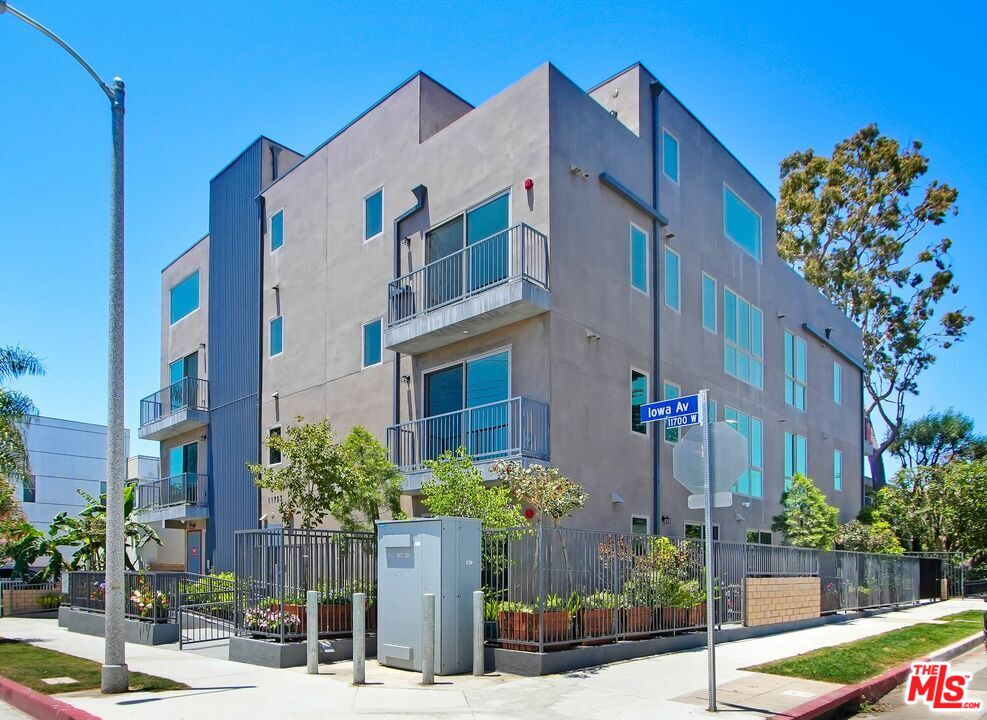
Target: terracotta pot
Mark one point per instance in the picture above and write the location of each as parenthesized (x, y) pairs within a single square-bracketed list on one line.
[(524, 626), (636, 619), (596, 623)]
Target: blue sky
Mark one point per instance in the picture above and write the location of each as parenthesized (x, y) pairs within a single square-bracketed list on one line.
[(205, 79)]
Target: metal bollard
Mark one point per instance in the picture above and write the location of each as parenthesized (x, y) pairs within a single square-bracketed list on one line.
[(312, 630), (359, 638), (478, 633), (428, 639)]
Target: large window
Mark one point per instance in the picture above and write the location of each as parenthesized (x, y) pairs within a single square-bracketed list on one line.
[(794, 371), (741, 224), (672, 280), (671, 391), (639, 258), (795, 457), (639, 396), (373, 215), (709, 303), (184, 297), (277, 336), (372, 343), (758, 537), (742, 348), (277, 230), (752, 481), (837, 383), (837, 470), (670, 156)]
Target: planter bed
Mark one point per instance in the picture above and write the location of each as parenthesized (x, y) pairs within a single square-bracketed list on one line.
[(137, 631), (272, 654)]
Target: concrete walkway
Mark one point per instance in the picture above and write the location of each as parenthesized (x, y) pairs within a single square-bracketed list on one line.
[(664, 686)]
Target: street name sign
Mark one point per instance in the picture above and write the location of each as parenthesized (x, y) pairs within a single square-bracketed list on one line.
[(677, 412)]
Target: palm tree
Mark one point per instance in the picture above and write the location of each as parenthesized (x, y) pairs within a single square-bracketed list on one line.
[(16, 409)]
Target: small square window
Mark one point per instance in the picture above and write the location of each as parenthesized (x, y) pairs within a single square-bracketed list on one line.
[(372, 343), (373, 215), (277, 230), (639, 525), (277, 336), (273, 454)]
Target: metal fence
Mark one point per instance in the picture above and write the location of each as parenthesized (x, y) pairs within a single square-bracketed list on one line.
[(275, 568), (182, 489), (187, 393), (511, 428), (18, 597), (517, 252), (868, 580), (152, 596), (953, 569)]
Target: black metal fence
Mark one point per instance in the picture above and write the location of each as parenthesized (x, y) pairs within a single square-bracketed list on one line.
[(275, 568), (954, 568)]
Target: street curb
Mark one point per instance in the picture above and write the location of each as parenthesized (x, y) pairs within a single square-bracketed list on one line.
[(39, 706), (826, 706)]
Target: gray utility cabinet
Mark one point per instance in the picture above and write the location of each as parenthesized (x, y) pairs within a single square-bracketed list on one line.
[(430, 555)]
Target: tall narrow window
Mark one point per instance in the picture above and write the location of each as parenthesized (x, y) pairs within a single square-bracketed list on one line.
[(837, 470), (837, 383), (639, 396), (671, 391), (794, 371), (277, 230), (672, 280), (372, 343), (742, 346), (795, 457), (373, 215), (184, 297), (709, 303), (670, 156), (741, 224), (751, 482), (28, 489), (639, 258), (277, 336), (273, 454)]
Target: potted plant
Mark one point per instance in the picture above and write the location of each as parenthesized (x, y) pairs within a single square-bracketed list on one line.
[(336, 608), (552, 619), (636, 604), (149, 604), (692, 603), (596, 615), (491, 609), (268, 618)]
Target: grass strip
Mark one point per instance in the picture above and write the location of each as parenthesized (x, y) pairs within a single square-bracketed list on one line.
[(859, 660), (28, 664)]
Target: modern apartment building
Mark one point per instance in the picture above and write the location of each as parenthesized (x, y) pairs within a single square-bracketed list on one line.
[(517, 278)]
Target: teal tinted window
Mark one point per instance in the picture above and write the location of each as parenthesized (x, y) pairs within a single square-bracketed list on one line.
[(837, 470), (709, 303), (372, 343), (277, 336), (639, 396), (795, 457), (837, 383), (672, 280), (487, 379), (795, 361), (670, 156), (184, 297), (277, 230), (750, 481), (741, 224), (373, 215), (672, 391), (742, 347), (639, 258)]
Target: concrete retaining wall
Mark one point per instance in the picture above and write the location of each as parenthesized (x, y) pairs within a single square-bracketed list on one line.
[(277, 655), (143, 633), (770, 600)]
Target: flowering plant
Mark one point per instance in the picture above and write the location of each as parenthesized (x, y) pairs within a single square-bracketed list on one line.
[(270, 619), (148, 602), (98, 592)]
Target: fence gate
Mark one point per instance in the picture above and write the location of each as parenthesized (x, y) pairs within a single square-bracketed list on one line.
[(204, 616)]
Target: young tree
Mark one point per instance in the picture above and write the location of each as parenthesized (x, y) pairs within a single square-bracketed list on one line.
[(373, 483), (311, 481), (939, 438), (806, 520), (16, 409), (546, 490), (875, 537), (456, 488), (854, 225)]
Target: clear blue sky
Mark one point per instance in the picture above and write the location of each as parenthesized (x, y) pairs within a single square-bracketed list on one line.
[(205, 79)]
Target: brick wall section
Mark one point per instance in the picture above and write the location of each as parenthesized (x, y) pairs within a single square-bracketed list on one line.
[(21, 602), (780, 599)]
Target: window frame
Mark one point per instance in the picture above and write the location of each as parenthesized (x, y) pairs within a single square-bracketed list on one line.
[(702, 530), (716, 313), (664, 396), (647, 523), (379, 190), (463, 361), (760, 223), (271, 431), (363, 343), (791, 444), (837, 382), (837, 466), (678, 155), (29, 481), (678, 281), (751, 419), (760, 534), (270, 336), (198, 296), (630, 397), (792, 342), (647, 257), (736, 343), (271, 248)]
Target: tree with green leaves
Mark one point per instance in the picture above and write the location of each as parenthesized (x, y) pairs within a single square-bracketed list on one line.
[(547, 491), (373, 484), (456, 488), (311, 480), (806, 519), (856, 225), (31, 545), (939, 438), (874, 537), (16, 410)]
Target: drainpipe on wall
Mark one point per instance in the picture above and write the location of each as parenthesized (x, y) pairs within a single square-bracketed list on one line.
[(262, 207), (656, 90)]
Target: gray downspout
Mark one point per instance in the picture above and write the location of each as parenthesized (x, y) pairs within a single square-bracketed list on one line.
[(262, 208), (656, 90)]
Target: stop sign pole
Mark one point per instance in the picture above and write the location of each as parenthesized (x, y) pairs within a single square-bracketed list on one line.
[(708, 496)]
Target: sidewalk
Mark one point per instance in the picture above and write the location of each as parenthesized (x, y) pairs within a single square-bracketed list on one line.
[(664, 686)]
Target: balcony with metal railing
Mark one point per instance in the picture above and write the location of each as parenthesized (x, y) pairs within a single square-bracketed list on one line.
[(180, 497), (515, 429), (178, 408), (491, 283)]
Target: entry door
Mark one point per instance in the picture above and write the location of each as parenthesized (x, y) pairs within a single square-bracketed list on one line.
[(193, 551)]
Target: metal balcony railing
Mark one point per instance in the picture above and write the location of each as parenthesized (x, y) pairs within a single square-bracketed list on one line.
[(518, 252), (187, 393), (182, 489), (508, 429)]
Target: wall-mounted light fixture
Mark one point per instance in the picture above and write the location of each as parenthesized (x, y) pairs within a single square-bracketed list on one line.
[(665, 520)]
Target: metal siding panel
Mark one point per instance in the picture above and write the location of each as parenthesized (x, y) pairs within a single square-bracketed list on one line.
[(234, 352)]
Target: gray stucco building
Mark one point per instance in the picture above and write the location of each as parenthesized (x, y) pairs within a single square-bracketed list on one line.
[(516, 277)]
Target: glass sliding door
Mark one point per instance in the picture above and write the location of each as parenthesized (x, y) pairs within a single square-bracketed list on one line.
[(182, 393), (487, 387), (486, 227), (444, 274), (442, 430), (183, 466)]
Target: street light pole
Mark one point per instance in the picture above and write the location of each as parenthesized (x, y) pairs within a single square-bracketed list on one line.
[(115, 676)]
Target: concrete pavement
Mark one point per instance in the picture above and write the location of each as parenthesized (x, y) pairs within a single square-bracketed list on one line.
[(664, 686)]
